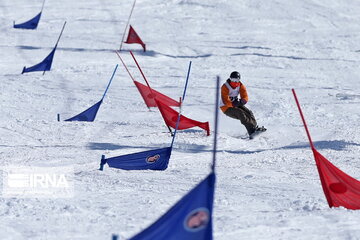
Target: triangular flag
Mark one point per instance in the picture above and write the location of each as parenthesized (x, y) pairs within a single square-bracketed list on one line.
[(170, 116), (43, 66), (149, 98), (88, 115), (340, 189), (133, 37), (31, 24), (190, 218)]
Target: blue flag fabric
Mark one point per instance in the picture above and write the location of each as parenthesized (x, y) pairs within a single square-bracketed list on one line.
[(88, 115), (45, 65), (157, 159), (190, 218), (31, 24)]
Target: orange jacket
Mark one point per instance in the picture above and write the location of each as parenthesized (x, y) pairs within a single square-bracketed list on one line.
[(226, 99)]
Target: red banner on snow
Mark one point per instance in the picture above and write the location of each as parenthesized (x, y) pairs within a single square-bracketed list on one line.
[(133, 37), (340, 189), (149, 95), (170, 117)]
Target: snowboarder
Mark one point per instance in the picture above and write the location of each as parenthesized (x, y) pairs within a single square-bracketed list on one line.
[(234, 107)]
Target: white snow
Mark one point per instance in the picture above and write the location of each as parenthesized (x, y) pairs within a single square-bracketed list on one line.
[(267, 188)]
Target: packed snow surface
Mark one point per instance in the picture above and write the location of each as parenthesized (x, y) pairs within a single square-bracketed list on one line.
[(267, 188)]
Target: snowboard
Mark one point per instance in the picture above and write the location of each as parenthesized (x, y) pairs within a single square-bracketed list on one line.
[(257, 132)]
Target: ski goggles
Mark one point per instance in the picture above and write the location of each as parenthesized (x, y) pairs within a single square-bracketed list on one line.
[(235, 79)]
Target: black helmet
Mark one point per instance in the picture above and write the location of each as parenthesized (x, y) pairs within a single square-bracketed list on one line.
[(235, 76)]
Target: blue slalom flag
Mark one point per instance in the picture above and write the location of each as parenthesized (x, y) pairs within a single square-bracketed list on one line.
[(45, 65), (157, 159), (89, 114), (190, 218), (31, 24)]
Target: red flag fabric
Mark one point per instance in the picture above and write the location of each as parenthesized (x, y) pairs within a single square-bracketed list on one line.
[(149, 99), (170, 117), (340, 189), (133, 37)]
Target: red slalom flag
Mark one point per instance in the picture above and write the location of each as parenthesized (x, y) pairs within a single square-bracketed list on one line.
[(133, 37), (149, 95), (170, 117), (340, 189)]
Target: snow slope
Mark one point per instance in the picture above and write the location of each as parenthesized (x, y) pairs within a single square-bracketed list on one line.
[(267, 188)]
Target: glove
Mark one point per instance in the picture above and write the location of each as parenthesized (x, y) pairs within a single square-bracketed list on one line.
[(236, 103)]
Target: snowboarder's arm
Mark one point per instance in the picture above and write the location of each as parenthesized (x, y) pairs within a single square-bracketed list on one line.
[(243, 93), (225, 96)]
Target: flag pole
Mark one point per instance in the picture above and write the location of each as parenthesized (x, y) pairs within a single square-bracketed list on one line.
[(186, 83), (127, 24), (42, 7), (216, 122), (122, 61), (110, 82), (177, 125), (60, 34), (58, 38), (303, 119), (181, 101), (142, 74)]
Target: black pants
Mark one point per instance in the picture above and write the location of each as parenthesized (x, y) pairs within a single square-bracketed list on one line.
[(245, 116)]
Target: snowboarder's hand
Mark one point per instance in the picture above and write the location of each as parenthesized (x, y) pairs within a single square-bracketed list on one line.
[(243, 101), (237, 103)]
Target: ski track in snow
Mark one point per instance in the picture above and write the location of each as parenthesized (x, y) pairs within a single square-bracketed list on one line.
[(267, 188)]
